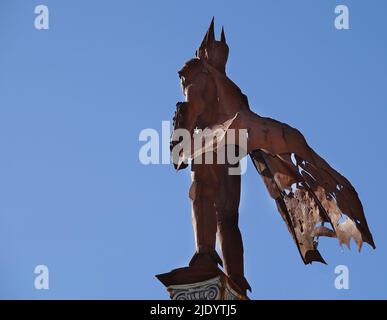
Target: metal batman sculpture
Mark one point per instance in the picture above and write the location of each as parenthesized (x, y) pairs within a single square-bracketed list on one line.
[(313, 199)]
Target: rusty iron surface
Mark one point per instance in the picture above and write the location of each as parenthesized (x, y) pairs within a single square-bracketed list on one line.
[(313, 199)]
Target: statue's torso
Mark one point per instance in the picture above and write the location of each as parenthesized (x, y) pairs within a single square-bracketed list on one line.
[(195, 73)]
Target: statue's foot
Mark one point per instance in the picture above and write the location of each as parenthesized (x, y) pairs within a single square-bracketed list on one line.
[(241, 282), (203, 259)]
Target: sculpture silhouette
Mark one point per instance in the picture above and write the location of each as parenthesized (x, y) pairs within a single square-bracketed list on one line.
[(313, 199)]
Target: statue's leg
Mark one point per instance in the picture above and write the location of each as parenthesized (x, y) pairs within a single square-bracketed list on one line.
[(202, 194), (227, 205)]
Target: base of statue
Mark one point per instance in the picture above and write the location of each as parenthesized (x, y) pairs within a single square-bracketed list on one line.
[(198, 283)]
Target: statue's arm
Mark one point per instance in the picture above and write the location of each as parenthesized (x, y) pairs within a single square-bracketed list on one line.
[(194, 93)]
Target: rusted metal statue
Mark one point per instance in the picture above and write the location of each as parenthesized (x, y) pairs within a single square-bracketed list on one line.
[(313, 199)]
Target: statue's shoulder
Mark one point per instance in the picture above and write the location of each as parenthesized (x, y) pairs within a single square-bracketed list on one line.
[(191, 70)]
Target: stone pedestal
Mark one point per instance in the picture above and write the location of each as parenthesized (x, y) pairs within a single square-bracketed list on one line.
[(195, 283)]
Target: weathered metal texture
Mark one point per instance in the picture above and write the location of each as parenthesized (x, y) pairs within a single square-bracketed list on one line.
[(313, 199)]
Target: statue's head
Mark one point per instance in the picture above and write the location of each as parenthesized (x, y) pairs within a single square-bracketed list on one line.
[(212, 51)]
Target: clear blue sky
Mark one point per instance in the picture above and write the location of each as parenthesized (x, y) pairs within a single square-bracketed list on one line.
[(73, 99)]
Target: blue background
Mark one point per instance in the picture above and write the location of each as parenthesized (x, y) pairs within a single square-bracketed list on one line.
[(74, 98)]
